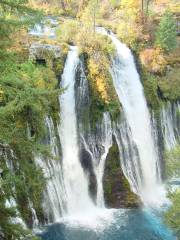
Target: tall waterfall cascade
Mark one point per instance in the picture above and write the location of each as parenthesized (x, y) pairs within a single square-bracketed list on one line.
[(97, 141), (67, 196), (75, 180), (128, 152), (130, 92), (67, 193)]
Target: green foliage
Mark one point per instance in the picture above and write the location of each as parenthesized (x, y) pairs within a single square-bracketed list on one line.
[(103, 95), (166, 32), (172, 216), (28, 96), (128, 27), (67, 31), (27, 92), (170, 84), (173, 162), (14, 15), (151, 87), (90, 14), (98, 49), (8, 181), (117, 190), (115, 3)]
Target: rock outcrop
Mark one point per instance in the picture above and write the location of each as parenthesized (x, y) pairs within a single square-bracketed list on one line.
[(117, 192)]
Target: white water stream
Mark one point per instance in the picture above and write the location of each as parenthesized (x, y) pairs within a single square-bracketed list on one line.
[(170, 124), (130, 92), (75, 180)]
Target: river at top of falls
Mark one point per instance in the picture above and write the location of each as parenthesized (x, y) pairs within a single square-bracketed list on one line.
[(130, 92)]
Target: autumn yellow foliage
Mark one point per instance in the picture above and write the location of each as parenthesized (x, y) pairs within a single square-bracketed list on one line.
[(153, 60), (129, 27), (98, 80)]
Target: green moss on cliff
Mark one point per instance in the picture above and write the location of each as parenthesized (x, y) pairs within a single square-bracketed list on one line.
[(151, 90), (117, 190)]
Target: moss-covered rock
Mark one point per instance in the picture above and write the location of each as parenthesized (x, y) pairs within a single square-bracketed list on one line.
[(117, 192)]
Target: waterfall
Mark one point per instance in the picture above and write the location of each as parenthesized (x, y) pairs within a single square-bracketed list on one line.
[(35, 221), (96, 141), (53, 201), (129, 156), (99, 169), (75, 180), (8, 155), (130, 92), (98, 147), (170, 124), (68, 173)]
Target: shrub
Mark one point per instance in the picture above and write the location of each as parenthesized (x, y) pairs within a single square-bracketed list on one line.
[(172, 216), (150, 88), (153, 60), (173, 162), (170, 84), (67, 31), (166, 33)]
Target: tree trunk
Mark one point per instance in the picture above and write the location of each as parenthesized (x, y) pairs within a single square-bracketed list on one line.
[(63, 5)]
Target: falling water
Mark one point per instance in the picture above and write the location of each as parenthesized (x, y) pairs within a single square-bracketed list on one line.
[(129, 156), (75, 180), (94, 141), (53, 203), (98, 146), (99, 169), (8, 155), (170, 123), (130, 92)]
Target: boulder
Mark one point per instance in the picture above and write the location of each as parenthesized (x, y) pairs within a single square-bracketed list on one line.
[(44, 51)]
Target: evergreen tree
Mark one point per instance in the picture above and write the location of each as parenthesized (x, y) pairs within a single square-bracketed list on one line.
[(166, 33), (26, 95), (14, 15)]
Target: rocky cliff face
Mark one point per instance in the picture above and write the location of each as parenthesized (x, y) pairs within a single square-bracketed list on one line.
[(98, 147), (117, 192)]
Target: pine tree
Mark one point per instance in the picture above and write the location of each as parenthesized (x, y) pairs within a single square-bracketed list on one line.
[(14, 15), (166, 33)]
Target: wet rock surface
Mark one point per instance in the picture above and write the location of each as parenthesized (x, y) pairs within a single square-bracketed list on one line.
[(42, 51), (117, 192)]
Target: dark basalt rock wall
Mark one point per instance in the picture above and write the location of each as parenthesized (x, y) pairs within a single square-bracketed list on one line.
[(117, 192)]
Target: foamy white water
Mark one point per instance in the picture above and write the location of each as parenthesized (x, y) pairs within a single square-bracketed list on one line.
[(130, 92), (75, 180), (53, 201), (99, 169), (99, 156)]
